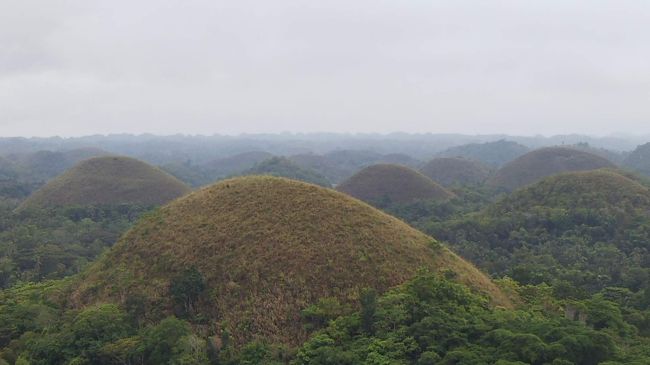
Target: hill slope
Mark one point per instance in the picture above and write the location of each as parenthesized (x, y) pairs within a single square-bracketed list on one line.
[(107, 181), (234, 164), (639, 159), (283, 167), (589, 229), (392, 184), (267, 247), (596, 189), (543, 162), (41, 166), (449, 171)]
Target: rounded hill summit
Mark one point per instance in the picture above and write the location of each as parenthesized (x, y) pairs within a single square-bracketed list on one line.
[(392, 184), (106, 181), (268, 247), (543, 162)]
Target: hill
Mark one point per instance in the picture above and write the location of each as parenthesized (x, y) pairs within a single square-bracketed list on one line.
[(7, 169), (348, 162), (41, 166), (283, 167), (267, 248), (583, 231), (613, 156), (448, 171), (493, 154), (108, 181), (321, 165), (340, 165), (543, 162), (387, 184), (639, 159), (232, 165)]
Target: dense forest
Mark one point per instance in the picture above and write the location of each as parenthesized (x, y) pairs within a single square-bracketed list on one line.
[(566, 258)]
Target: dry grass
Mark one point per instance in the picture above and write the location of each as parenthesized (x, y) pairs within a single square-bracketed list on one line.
[(543, 162), (108, 180), (268, 248), (393, 184), (596, 189), (448, 171)]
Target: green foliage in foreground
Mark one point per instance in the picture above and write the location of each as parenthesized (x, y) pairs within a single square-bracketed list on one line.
[(38, 244), (434, 321), (580, 232), (429, 320)]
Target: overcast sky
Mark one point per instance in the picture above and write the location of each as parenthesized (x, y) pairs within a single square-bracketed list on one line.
[(77, 67)]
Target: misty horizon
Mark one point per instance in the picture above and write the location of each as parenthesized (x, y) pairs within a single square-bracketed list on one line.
[(72, 68)]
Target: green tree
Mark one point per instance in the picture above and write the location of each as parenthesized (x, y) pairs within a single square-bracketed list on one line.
[(186, 289)]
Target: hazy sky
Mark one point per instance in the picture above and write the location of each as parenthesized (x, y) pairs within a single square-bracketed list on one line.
[(192, 66)]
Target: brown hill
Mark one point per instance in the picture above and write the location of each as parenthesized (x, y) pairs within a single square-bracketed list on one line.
[(543, 162), (108, 180), (42, 166), (448, 171), (392, 184), (268, 247)]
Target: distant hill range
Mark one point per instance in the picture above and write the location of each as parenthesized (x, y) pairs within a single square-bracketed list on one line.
[(494, 154)]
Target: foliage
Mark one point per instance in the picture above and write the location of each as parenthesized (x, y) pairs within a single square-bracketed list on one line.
[(186, 288), (580, 232), (431, 320), (38, 244)]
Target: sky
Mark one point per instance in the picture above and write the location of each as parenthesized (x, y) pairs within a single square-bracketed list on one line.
[(79, 67)]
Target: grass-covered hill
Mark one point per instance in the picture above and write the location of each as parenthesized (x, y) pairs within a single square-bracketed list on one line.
[(543, 162), (283, 167), (581, 231), (596, 189), (41, 166), (261, 249), (493, 154), (108, 180), (448, 171), (387, 184), (613, 156), (639, 159)]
